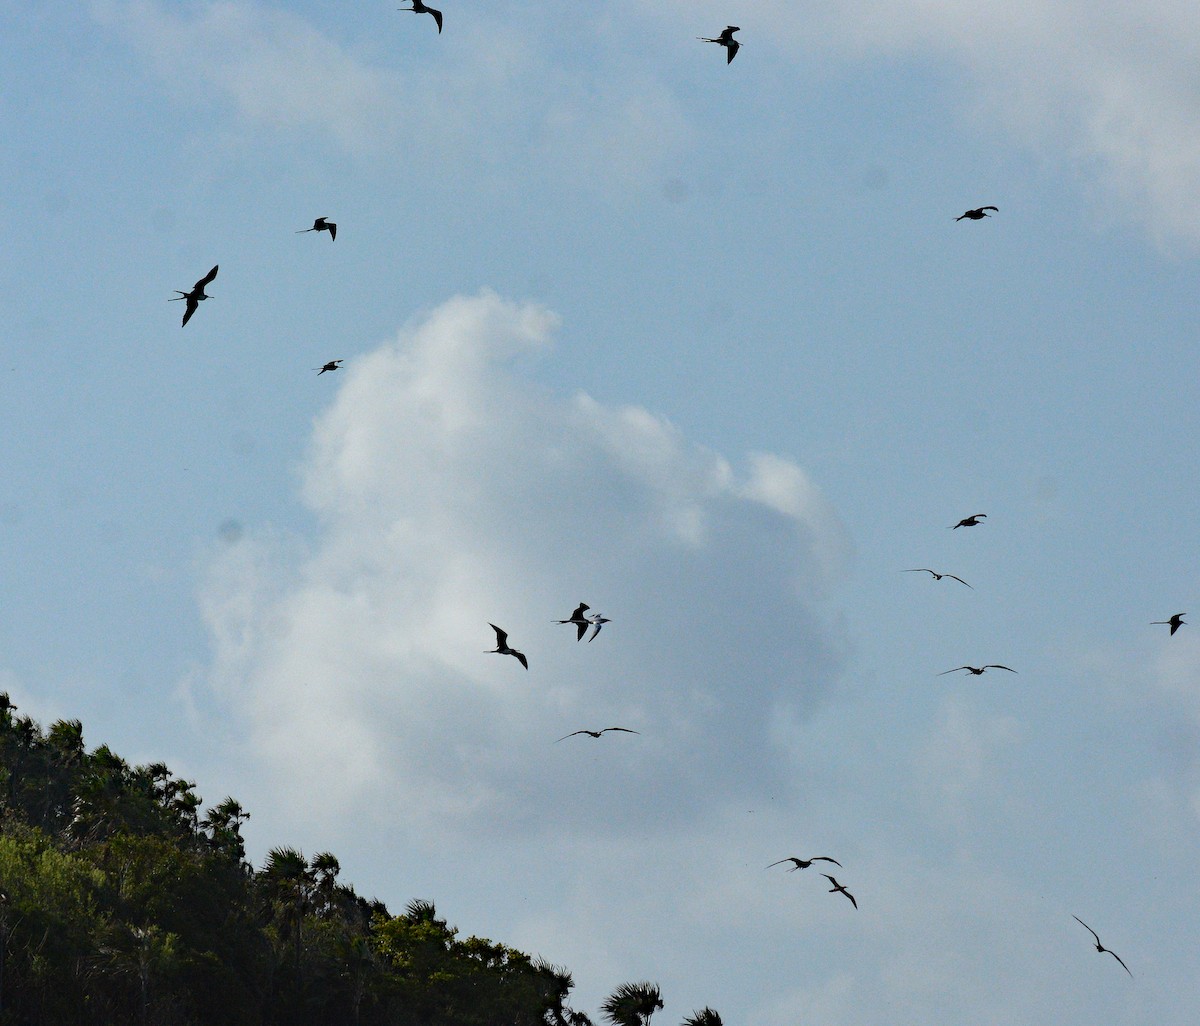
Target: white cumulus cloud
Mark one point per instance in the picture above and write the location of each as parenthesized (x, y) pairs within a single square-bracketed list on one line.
[(448, 493)]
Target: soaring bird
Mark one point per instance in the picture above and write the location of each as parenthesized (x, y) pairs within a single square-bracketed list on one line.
[(196, 296), (597, 733), (839, 889), (503, 649), (1100, 947), (597, 621), (936, 575), (804, 863), (321, 224), (977, 214), (977, 670), (1176, 621), (332, 365), (579, 619), (419, 8), (726, 40), (971, 521)]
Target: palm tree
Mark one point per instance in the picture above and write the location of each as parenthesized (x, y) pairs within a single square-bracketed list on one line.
[(705, 1017), (632, 1004)]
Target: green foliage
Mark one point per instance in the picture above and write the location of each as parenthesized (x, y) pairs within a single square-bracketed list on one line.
[(122, 902), (632, 1004)]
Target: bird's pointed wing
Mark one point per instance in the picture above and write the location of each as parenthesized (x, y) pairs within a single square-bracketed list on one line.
[(997, 666), (825, 858), (997, 209), (955, 670), (595, 630), (208, 277), (521, 658), (781, 862), (437, 16), (332, 231), (572, 734), (1088, 928), (580, 629), (731, 49), (851, 897), (501, 636), (831, 880), (625, 729), (920, 570), (1119, 959), (959, 579), (191, 309)]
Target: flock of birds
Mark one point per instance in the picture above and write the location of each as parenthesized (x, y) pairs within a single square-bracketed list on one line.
[(580, 618)]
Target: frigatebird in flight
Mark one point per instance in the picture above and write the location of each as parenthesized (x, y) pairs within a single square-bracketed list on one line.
[(977, 670), (971, 521), (726, 40), (597, 733), (332, 365), (503, 649), (579, 619), (322, 224), (1100, 947), (839, 889), (804, 863), (597, 621), (1176, 621), (977, 214), (936, 575), (420, 8), (196, 296)]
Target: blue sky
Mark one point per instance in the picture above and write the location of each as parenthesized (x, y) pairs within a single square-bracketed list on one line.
[(702, 346)]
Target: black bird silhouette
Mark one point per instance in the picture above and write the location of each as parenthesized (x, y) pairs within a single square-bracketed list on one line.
[(936, 575), (332, 365), (1100, 947), (597, 733), (971, 521), (582, 623), (977, 670), (322, 224), (726, 40), (503, 649), (419, 8), (838, 888), (1176, 621), (804, 863), (977, 214), (196, 296)]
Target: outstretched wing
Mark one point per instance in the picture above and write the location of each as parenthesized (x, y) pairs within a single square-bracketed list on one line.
[(788, 859), (520, 658), (501, 636), (955, 670), (208, 277), (731, 49), (437, 16), (997, 666), (1118, 958), (625, 729), (959, 579), (1086, 927), (332, 231), (190, 309), (997, 209), (580, 629), (572, 734), (825, 858)]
